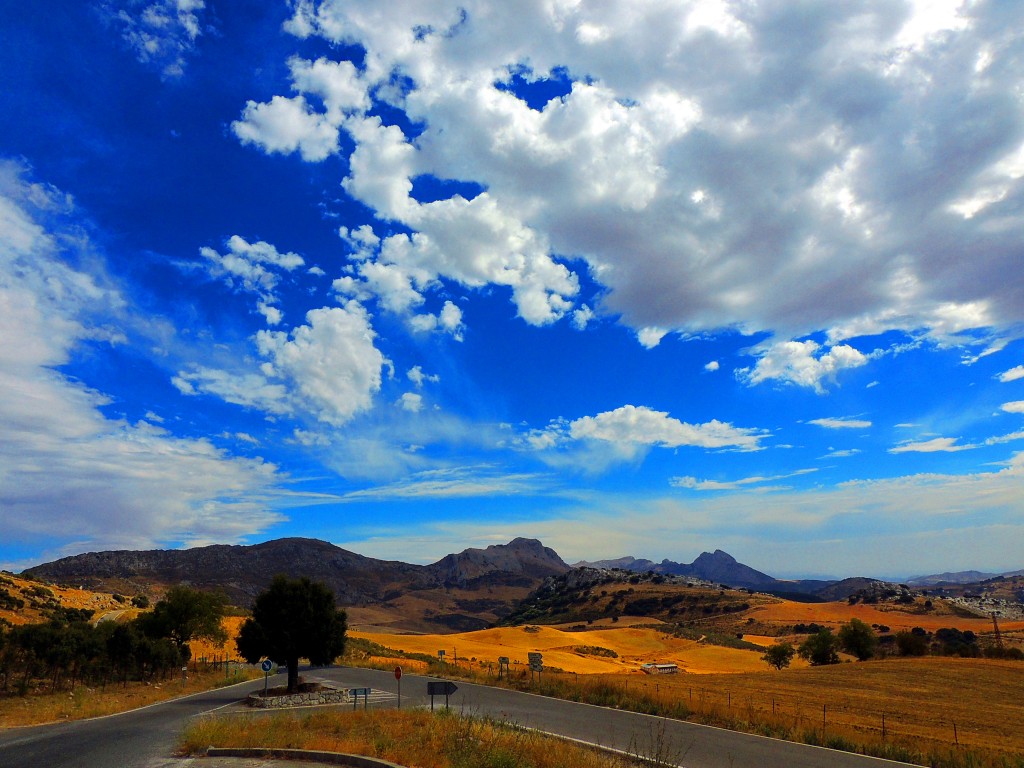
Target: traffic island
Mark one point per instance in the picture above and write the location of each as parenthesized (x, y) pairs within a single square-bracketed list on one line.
[(316, 756), (308, 695)]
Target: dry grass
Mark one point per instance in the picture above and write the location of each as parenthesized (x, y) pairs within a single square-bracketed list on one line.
[(417, 738), (85, 702), (786, 612), (101, 603), (921, 699)]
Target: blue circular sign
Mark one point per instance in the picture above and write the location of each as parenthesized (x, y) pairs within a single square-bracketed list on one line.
[(267, 665)]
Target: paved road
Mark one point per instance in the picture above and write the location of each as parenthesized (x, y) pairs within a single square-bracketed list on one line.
[(146, 738), (685, 744)]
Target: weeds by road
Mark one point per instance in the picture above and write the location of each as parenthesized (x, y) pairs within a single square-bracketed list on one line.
[(420, 738), (84, 702)]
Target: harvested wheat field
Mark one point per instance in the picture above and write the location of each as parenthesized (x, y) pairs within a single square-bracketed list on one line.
[(920, 698), (204, 649), (587, 652), (786, 612)]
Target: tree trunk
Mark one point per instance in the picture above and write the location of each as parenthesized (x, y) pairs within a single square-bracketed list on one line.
[(293, 675)]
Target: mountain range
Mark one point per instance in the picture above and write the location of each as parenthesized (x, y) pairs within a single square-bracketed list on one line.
[(467, 590)]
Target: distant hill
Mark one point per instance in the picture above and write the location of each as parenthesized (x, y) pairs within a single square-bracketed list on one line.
[(470, 589), (957, 577), (718, 566)]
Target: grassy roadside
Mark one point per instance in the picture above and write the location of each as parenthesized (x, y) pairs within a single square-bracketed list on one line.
[(983, 694), (406, 737), (85, 702)]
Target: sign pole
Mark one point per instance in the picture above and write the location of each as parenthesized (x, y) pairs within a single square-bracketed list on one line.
[(398, 677)]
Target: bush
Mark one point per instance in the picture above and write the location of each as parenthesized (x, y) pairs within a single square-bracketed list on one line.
[(820, 649), (857, 638)]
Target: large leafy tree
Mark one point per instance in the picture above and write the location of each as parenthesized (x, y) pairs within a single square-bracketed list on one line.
[(186, 614), (293, 619), (858, 638), (820, 648), (779, 655)]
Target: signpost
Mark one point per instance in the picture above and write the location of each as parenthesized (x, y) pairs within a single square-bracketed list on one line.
[(440, 655), (398, 677), (266, 665), (502, 665), (442, 688), (355, 693), (536, 665)]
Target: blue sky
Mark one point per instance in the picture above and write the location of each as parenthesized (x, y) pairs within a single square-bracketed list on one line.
[(643, 279)]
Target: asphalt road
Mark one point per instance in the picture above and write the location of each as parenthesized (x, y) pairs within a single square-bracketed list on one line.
[(146, 738)]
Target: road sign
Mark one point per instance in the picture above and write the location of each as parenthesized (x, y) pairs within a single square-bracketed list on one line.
[(535, 657), (355, 693), (503, 660), (398, 677), (398, 673), (443, 688), (267, 665)]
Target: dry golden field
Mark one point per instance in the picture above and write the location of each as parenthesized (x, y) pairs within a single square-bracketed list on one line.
[(786, 612), (571, 651), (921, 699)]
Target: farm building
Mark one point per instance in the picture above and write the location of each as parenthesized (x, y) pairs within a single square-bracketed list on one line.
[(660, 669)]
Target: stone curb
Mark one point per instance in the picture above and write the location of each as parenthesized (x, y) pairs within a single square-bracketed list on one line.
[(334, 758)]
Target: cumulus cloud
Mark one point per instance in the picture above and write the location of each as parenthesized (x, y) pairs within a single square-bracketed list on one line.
[(712, 366), (641, 426), (1017, 406), (1013, 374), (247, 266), (287, 125), (802, 184), (162, 33), (802, 363), (411, 402), (841, 423), (97, 469), (331, 364), (418, 377)]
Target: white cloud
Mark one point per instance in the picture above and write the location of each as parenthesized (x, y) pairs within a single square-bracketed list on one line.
[(1017, 406), (331, 364), (247, 266), (947, 444), (802, 363), (411, 402), (633, 425), (712, 366), (418, 377), (162, 32), (841, 423), (1013, 374), (287, 125), (757, 481), (845, 156), (68, 471), (841, 453)]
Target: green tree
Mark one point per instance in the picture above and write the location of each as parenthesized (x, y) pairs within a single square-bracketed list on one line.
[(293, 619), (186, 614), (779, 655), (912, 643), (820, 648), (857, 638)]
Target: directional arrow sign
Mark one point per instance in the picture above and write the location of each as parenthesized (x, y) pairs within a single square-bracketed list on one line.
[(444, 688)]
